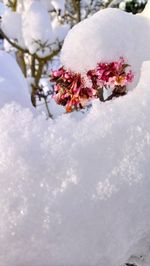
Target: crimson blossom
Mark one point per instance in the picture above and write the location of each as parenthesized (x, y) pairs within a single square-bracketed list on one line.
[(74, 91)]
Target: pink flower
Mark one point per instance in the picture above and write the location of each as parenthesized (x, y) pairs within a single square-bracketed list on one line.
[(130, 76), (72, 92)]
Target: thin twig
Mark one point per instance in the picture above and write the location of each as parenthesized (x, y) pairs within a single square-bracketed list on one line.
[(47, 108)]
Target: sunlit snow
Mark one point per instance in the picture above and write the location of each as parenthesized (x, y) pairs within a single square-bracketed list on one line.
[(75, 191)]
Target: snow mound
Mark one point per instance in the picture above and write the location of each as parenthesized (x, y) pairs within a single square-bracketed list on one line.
[(75, 191), (13, 86), (105, 37)]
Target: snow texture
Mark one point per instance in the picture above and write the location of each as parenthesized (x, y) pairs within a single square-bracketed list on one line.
[(75, 191), (105, 37)]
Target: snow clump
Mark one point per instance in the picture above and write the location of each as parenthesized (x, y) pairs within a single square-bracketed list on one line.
[(105, 37)]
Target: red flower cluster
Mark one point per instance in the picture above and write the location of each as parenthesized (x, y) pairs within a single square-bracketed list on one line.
[(71, 89), (111, 74)]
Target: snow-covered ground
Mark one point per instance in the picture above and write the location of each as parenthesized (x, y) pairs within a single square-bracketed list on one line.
[(75, 191)]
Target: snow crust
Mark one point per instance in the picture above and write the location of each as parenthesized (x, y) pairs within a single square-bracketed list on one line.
[(106, 36), (75, 191)]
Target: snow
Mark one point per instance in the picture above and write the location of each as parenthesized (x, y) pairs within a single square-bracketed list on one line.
[(2, 8), (105, 37), (146, 11), (59, 30), (75, 191), (47, 4), (13, 86), (59, 5), (37, 30), (11, 25), (122, 5), (33, 27)]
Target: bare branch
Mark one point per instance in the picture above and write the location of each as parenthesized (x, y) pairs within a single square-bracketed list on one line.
[(14, 44)]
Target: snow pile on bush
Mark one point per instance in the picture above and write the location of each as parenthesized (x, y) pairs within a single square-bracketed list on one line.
[(105, 37), (36, 27), (75, 191)]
